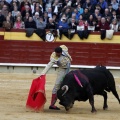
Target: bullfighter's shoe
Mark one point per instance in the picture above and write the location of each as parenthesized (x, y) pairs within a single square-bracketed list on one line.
[(54, 108)]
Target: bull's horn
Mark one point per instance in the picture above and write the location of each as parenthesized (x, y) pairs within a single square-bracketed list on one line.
[(65, 87)]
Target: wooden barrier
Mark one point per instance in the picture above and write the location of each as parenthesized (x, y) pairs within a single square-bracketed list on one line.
[(16, 48), (34, 52)]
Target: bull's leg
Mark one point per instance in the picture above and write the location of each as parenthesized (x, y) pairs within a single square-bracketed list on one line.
[(104, 94), (91, 98)]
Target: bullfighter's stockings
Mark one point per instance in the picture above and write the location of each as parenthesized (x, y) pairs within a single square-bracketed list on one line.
[(53, 101)]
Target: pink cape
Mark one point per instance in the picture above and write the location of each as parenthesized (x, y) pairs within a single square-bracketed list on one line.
[(36, 97)]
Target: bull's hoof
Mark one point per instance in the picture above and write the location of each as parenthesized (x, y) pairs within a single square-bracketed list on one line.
[(105, 107), (54, 108), (94, 111), (67, 108)]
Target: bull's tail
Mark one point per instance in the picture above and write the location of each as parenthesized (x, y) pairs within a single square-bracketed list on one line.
[(111, 85)]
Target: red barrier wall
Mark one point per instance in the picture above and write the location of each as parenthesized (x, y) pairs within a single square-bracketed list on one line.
[(39, 52)]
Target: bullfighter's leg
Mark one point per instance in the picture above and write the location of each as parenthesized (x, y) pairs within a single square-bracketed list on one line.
[(60, 75), (91, 98), (104, 94)]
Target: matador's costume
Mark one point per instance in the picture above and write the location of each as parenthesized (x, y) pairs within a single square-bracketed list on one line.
[(63, 63)]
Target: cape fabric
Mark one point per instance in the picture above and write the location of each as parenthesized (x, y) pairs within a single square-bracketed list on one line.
[(36, 97)]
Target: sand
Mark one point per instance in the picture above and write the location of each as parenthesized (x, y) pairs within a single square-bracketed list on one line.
[(14, 89)]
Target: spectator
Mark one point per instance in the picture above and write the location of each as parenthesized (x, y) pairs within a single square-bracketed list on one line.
[(49, 11), (110, 8), (33, 4), (40, 23), (86, 14), (118, 10), (5, 11), (103, 24), (38, 9), (23, 3), (75, 11), (2, 18), (26, 10), (73, 17), (14, 3), (30, 23), (114, 25), (63, 27), (90, 20), (80, 9), (55, 18), (103, 4), (96, 14), (56, 8), (15, 11), (73, 24), (45, 17), (36, 17), (7, 24), (51, 24), (114, 15), (19, 24), (114, 4), (106, 13), (27, 15)]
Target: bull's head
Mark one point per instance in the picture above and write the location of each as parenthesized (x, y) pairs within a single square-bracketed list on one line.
[(66, 97)]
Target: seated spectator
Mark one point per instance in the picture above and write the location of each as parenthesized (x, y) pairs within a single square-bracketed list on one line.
[(114, 25), (76, 3), (96, 14), (103, 24), (86, 14), (7, 24), (73, 17), (49, 11), (45, 17), (51, 24), (27, 15), (56, 8), (103, 4), (38, 9), (5, 10), (106, 13), (114, 15), (73, 28), (33, 4), (12, 19), (55, 18), (110, 8), (15, 11), (63, 27), (40, 23), (90, 20), (36, 17), (30, 23), (23, 4), (14, 3), (38, 4), (76, 13), (80, 9), (73, 24), (118, 10), (26, 10), (86, 4), (19, 24), (2, 18), (114, 4)]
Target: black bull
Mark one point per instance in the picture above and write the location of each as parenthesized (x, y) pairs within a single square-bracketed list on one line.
[(89, 82)]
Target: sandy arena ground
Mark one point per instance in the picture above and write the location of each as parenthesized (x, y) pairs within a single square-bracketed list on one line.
[(14, 90)]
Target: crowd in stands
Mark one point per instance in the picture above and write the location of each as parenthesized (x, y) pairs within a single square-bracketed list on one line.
[(62, 15)]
